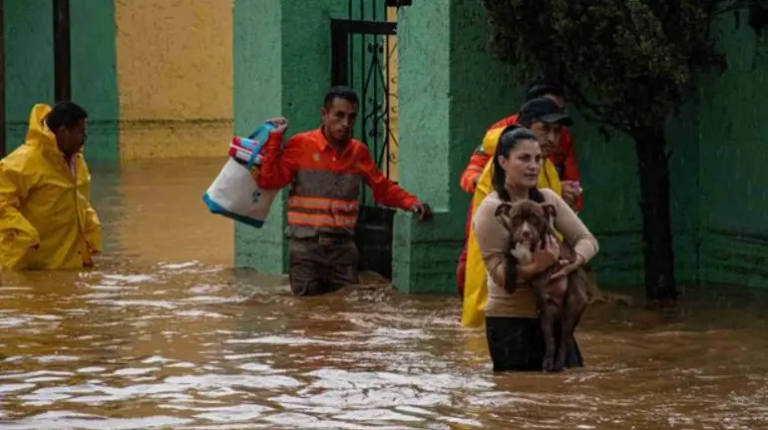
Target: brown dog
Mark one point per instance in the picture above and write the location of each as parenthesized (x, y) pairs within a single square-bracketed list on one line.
[(560, 302)]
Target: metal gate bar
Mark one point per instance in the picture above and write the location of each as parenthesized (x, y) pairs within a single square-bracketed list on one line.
[(374, 229)]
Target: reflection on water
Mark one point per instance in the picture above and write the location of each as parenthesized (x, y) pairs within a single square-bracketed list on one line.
[(165, 334)]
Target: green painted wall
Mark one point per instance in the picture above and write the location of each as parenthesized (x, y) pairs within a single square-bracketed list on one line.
[(282, 67), (611, 193), (684, 142), (611, 200), (450, 91), (29, 68), (94, 75), (28, 62), (732, 169)]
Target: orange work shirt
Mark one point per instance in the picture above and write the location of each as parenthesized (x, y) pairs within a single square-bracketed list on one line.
[(564, 159), (326, 183)]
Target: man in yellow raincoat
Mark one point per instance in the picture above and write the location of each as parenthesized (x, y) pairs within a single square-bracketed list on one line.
[(545, 119), (46, 220)]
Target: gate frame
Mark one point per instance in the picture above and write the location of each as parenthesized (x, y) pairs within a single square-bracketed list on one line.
[(341, 31), (375, 224)]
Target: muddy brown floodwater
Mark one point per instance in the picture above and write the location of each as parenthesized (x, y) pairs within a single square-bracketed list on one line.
[(165, 334)]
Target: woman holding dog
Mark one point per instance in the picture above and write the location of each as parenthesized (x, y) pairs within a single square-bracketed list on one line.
[(512, 327)]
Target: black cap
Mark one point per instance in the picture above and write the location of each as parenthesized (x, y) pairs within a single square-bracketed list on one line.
[(544, 110)]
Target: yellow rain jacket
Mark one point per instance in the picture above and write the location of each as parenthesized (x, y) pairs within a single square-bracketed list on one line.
[(46, 221), (476, 286)]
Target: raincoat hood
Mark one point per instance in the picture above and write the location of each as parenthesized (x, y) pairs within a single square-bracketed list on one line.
[(38, 134)]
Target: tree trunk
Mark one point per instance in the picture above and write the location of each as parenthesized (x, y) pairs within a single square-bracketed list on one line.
[(653, 166)]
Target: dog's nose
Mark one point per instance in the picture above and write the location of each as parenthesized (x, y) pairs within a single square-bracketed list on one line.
[(526, 234)]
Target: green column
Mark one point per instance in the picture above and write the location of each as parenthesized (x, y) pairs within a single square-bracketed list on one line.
[(94, 75), (29, 68), (282, 60), (28, 63), (450, 91)]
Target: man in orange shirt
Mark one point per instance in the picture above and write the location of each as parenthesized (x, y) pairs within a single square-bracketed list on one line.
[(326, 167), (563, 157)]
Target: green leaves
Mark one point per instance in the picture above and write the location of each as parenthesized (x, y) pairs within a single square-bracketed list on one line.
[(626, 63)]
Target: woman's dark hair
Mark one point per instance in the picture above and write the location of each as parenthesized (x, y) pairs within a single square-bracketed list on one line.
[(508, 140)]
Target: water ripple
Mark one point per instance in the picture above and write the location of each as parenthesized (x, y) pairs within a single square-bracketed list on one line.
[(189, 346)]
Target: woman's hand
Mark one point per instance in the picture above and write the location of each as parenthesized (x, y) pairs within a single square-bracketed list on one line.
[(571, 191), (552, 247), (547, 254), (568, 268), (543, 258)]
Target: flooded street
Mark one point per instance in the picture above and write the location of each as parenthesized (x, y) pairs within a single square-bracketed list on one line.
[(165, 334)]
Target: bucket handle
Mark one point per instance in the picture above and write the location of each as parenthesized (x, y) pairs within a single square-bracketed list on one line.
[(260, 135)]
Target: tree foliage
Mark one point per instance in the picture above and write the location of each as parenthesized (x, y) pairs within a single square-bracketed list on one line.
[(625, 63)]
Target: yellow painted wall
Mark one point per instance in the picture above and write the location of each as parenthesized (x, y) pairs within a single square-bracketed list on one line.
[(174, 71), (391, 64)]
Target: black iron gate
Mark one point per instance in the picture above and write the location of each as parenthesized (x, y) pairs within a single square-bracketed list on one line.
[(361, 50)]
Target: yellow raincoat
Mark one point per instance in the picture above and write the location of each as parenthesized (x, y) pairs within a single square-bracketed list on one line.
[(476, 286), (46, 221)]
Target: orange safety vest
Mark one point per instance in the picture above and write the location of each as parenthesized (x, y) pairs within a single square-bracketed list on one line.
[(326, 183)]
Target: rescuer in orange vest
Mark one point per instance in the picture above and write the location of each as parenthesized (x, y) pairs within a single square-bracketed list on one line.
[(326, 167)]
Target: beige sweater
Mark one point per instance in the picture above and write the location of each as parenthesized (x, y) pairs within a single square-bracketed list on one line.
[(493, 238)]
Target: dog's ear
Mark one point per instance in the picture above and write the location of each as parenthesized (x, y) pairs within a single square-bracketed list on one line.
[(550, 213), (503, 213)]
